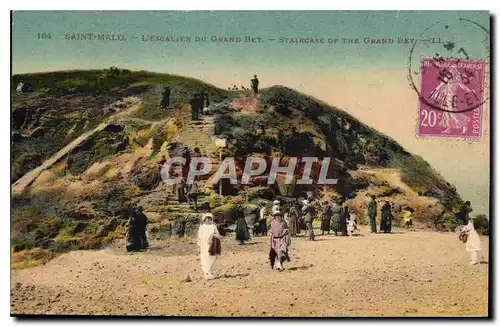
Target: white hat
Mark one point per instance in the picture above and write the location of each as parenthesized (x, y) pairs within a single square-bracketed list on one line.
[(276, 202), (305, 201), (207, 216)]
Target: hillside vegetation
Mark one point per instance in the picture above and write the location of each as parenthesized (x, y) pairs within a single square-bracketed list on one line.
[(82, 199)]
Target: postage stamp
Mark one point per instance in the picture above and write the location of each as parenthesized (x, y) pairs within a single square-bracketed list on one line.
[(451, 98)]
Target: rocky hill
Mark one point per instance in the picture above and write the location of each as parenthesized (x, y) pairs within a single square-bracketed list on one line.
[(87, 146)]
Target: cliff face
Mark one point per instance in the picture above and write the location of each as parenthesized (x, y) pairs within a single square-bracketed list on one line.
[(87, 145)]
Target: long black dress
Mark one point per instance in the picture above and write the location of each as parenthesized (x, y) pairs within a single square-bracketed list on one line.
[(336, 218), (326, 219), (242, 233), (385, 218)]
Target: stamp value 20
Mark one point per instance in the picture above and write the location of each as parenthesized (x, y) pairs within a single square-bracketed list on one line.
[(451, 98)]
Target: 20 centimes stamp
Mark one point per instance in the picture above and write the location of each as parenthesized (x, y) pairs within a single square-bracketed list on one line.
[(452, 96), (451, 78)]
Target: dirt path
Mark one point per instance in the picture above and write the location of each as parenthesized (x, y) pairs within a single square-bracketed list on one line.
[(403, 274), (247, 105), (29, 177)]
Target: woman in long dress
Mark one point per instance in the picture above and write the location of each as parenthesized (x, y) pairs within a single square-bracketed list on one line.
[(337, 213), (386, 218), (326, 219), (207, 235), (280, 241), (242, 233)]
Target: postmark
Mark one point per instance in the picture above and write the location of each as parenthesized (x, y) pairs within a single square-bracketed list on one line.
[(450, 77)]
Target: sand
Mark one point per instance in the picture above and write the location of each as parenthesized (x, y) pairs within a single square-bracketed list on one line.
[(401, 274)]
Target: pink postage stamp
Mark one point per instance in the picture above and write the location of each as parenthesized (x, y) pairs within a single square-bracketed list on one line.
[(451, 98)]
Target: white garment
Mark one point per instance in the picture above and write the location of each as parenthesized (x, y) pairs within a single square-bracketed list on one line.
[(19, 88), (473, 244), (207, 261), (351, 227), (263, 213)]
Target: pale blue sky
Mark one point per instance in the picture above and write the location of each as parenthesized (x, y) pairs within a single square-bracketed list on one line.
[(30, 54)]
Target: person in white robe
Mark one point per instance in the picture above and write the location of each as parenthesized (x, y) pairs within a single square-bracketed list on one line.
[(352, 228), (206, 232), (473, 244)]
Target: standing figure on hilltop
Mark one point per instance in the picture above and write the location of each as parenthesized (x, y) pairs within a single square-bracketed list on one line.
[(242, 233), (326, 218), (280, 240), (165, 102), (386, 218), (255, 84), (473, 244), (309, 214), (209, 244), (371, 213)]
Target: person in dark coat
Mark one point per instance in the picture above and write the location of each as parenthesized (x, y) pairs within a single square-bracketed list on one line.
[(344, 219), (242, 233), (196, 104), (294, 220), (371, 212), (326, 219), (386, 218), (165, 102), (255, 84), (136, 231), (337, 213)]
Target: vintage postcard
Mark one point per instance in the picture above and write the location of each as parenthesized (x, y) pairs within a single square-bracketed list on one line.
[(250, 164)]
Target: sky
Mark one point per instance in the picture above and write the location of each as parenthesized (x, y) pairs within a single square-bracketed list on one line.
[(368, 79)]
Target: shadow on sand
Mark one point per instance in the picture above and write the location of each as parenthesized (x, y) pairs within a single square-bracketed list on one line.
[(303, 267), (232, 276)]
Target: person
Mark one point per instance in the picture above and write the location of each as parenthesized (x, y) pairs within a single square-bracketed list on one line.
[(186, 154), (262, 227), (386, 218), (195, 106), (20, 86), (371, 212), (326, 218), (209, 244), (280, 241), (294, 220), (407, 217), (255, 84), (136, 231), (276, 206), (192, 195), (473, 244), (309, 213), (352, 225), (343, 219), (180, 190), (337, 214), (242, 233), (165, 102)]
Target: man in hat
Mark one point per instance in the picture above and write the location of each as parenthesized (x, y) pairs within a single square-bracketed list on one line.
[(337, 213), (326, 218), (309, 214), (209, 244), (165, 102), (255, 84)]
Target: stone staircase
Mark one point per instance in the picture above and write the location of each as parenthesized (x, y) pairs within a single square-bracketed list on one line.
[(170, 218)]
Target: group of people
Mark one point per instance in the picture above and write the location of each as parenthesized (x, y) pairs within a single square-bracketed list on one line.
[(199, 103)]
